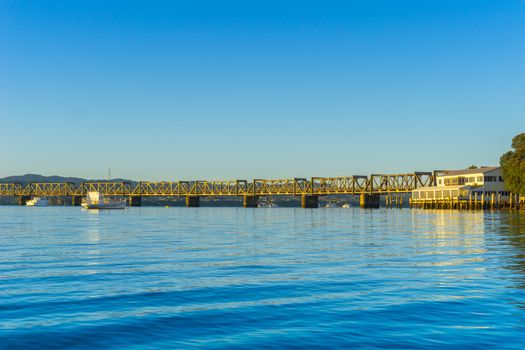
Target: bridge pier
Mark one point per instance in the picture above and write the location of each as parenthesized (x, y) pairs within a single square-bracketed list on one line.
[(76, 201), (367, 200), (135, 201), (192, 201), (309, 201), (250, 201), (22, 200)]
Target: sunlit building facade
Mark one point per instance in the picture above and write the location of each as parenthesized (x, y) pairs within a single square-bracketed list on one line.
[(483, 182)]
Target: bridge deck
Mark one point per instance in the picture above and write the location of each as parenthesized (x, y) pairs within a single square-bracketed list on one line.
[(373, 184)]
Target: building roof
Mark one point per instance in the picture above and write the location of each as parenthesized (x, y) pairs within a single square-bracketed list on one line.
[(481, 170)]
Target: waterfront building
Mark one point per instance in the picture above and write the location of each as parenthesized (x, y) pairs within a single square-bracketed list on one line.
[(483, 184)]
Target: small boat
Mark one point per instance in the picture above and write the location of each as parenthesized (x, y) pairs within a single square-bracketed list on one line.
[(38, 202), (346, 205), (330, 205), (267, 204), (96, 200)]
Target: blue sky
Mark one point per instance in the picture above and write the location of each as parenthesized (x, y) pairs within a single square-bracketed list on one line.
[(167, 90)]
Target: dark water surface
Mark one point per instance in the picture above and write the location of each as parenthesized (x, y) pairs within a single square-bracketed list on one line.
[(243, 278)]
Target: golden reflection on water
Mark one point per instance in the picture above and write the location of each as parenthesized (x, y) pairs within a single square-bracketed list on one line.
[(462, 238), (93, 231), (93, 238), (454, 243), (447, 228)]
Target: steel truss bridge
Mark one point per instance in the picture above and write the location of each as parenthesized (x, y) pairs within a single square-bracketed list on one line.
[(372, 185)]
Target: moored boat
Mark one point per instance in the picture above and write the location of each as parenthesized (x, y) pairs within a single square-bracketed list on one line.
[(268, 203), (38, 202), (96, 200)]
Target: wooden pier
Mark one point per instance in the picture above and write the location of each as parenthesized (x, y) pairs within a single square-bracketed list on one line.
[(492, 202)]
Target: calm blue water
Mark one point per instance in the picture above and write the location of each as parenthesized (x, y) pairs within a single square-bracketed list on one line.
[(244, 278)]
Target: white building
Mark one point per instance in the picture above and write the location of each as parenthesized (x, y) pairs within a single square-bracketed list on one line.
[(480, 183)]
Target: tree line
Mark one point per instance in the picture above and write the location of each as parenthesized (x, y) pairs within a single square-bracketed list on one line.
[(513, 165)]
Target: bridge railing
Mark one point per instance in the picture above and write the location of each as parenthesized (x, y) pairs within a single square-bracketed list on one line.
[(162, 188), (108, 188), (48, 189), (11, 189), (339, 185), (221, 188), (380, 183), (265, 187)]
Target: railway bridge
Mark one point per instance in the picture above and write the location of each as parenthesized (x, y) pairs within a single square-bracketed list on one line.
[(368, 187)]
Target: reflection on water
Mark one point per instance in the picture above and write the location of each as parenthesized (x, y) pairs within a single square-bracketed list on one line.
[(441, 224), (93, 231), (93, 239), (235, 277), (455, 234)]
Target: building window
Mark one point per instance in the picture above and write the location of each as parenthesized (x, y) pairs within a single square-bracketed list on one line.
[(480, 178)]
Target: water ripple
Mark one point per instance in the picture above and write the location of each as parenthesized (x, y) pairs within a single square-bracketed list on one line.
[(283, 278)]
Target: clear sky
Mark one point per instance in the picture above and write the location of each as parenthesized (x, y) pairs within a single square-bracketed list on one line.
[(168, 90)]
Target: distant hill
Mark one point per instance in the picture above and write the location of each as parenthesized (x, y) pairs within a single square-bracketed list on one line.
[(24, 179)]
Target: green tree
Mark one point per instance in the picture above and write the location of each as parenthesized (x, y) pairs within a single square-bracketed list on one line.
[(513, 165)]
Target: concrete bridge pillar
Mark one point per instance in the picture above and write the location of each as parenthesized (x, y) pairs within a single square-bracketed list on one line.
[(135, 201), (22, 200), (309, 201), (192, 201), (367, 200), (250, 201), (76, 201)]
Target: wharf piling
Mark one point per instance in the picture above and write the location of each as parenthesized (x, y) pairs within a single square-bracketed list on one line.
[(492, 202), (393, 201)]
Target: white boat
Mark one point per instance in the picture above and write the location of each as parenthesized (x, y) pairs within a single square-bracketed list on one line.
[(330, 205), (346, 205), (38, 202), (267, 204), (96, 200)]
